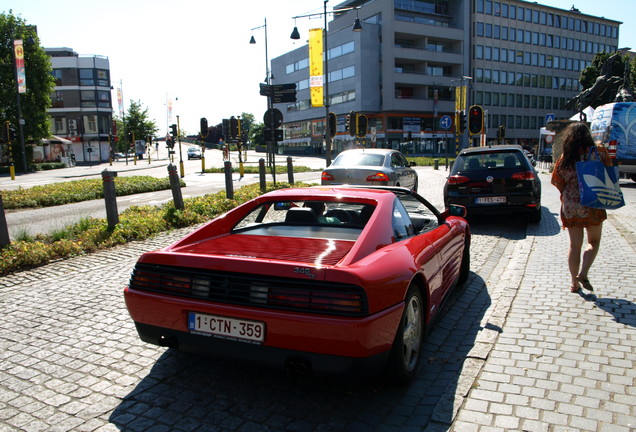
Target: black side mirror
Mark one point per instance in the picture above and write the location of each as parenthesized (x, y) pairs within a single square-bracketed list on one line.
[(457, 210)]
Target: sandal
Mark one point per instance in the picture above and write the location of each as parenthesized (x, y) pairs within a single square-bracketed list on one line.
[(574, 288), (586, 283)]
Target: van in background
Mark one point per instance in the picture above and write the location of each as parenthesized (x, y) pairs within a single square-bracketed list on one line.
[(614, 126)]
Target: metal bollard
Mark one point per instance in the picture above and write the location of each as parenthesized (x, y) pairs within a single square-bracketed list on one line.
[(175, 186), (229, 188), (110, 198), (261, 174), (290, 170), (4, 230), (436, 164)]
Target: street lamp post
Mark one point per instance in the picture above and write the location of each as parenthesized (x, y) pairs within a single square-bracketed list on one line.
[(271, 154), (295, 35)]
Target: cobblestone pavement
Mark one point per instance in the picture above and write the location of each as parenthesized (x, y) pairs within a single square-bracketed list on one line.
[(513, 351)]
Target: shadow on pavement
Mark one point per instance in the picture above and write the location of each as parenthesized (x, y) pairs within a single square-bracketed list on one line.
[(194, 392), (514, 226), (623, 311)]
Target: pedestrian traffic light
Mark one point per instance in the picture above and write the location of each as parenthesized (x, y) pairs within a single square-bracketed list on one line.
[(361, 125), (332, 125), (352, 123), (461, 122), (173, 130), (475, 120), (204, 127)]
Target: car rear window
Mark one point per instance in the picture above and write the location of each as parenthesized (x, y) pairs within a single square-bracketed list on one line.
[(489, 161), (317, 219), (358, 159)]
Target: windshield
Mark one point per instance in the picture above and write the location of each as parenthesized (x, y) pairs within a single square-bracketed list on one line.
[(489, 161), (315, 219)]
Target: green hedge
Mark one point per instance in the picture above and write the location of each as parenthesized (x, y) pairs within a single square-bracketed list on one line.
[(55, 194), (135, 223)]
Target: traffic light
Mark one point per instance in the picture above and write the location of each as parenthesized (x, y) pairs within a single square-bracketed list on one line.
[(352, 123), (361, 125), (235, 127), (173, 131), (225, 128), (461, 122), (204, 127), (475, 120), (332, 125)]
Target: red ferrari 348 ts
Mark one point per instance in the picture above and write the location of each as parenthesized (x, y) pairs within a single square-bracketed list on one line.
[(325, 279)]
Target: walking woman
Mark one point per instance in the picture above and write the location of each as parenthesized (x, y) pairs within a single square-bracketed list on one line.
[(579, 220)]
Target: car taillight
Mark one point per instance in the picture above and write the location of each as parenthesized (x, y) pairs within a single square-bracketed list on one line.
[(611, 148), (314, 300), (524, 175), (326, 176), (458, 179), (379, 176)]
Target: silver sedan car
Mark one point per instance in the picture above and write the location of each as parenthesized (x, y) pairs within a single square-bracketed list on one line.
[(380, 167)]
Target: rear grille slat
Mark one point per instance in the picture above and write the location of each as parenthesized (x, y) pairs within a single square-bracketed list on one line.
[(249, 290)]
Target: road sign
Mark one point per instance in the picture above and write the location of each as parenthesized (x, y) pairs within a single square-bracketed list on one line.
[(278, 134), (279, 92), (549, 118), (273, 118), (445, 122)]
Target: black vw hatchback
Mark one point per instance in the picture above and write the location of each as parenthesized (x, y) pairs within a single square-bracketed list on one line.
[(494, 179)]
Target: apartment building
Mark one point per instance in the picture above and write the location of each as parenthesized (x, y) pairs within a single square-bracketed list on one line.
[(519, 60), (81, 109)]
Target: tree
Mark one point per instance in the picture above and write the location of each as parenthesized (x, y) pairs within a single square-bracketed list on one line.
[(39, 81), (257, 136), (135, 121)]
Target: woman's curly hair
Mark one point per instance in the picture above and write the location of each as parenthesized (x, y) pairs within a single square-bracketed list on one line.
[(576, 139)]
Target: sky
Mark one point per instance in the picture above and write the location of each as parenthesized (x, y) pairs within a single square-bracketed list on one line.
[(196, 55)]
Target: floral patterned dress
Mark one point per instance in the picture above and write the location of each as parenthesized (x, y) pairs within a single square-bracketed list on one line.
[(572, 213)]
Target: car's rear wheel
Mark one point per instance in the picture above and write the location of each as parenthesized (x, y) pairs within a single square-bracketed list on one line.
[(407, 346)]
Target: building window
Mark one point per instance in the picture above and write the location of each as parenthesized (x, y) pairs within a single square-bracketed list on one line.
[(59, 125), (57, 74), (57, 100), (86, 77), (88, 98)]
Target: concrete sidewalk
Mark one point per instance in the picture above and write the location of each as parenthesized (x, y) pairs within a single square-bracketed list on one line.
[(546, 359)]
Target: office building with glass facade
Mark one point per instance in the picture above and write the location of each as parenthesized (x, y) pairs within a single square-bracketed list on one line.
[(519, 60)]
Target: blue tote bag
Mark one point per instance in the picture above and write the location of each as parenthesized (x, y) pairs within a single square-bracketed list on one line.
[(598, 184)]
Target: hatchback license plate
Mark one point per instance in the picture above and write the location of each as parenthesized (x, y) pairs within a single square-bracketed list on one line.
[(491, 200), (253, 331)]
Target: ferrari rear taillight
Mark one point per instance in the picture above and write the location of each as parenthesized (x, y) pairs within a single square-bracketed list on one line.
[(379, 176), (458, 179), (316, 300), (326, 176), (611, 148), (523, 175)]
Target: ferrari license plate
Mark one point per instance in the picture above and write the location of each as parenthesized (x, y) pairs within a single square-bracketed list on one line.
[(491, 200), (231, 328)]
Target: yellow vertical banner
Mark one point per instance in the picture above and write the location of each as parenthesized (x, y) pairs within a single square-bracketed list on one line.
[(460, 98), (316, 74)]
